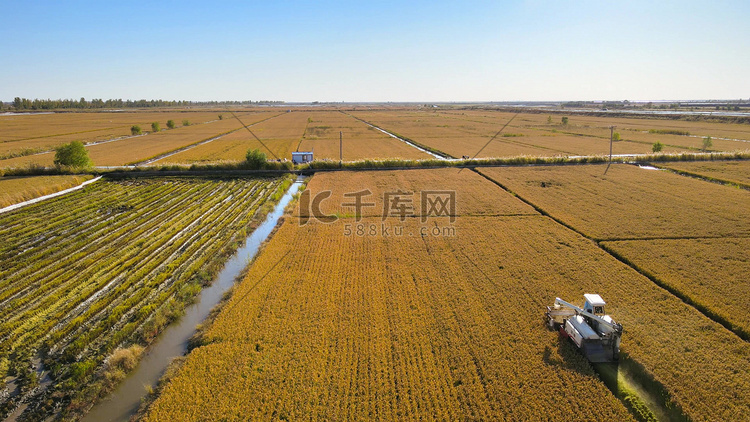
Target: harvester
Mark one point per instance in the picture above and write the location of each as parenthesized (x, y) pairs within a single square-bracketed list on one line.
[(596, 334)]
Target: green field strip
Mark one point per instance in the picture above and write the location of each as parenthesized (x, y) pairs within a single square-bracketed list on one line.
[(209, 236), (73, 250), (47, 303), (101, 226), (82, 255), (130, 259), (194, 199)]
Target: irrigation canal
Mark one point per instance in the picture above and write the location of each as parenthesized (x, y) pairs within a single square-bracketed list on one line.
[(172, 343)]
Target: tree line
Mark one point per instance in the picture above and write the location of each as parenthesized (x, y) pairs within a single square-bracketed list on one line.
[(97, 103)]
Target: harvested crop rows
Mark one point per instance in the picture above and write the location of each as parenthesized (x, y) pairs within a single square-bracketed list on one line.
[(140, 148), (629, 202), (18, 189), (303, 131), (448, 326), (279, 134), (466, 132), (109, 266), (46, 131)]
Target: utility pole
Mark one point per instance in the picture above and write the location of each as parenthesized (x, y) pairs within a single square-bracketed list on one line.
[(341, 149), (611, 137)]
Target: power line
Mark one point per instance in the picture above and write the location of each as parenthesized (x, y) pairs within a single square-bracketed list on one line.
[(251, 132), (493, 138)]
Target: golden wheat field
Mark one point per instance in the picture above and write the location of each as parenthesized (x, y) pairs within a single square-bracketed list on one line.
[(454, 132), (139, 148), (18, 189), (440, 323), (46, 131), (652, 129), (629, 202), (377, 190), (712, 273), (468, 132), (359, 141), (356, 328), (316, 131), (231, 147)]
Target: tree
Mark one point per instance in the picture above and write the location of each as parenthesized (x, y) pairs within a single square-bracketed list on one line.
[(657, 147), (221, 117), (616, 136), (255, 159), (186, 122), (170, 124), (135, 130), (549, 120), (565, 120), (155, 127), (707, 143), (73, 154)]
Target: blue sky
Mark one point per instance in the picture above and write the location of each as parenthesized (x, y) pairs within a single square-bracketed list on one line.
[(376, 51)]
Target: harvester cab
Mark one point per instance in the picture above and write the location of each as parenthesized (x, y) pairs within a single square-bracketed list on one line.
[(594, 332)]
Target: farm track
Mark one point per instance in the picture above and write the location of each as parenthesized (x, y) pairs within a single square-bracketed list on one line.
[(131, 248), (197, 144), (440, 155)]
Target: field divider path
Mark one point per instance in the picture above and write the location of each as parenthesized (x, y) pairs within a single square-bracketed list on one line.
[(598, 242), (52, 195), (440, 155), (199, 143)]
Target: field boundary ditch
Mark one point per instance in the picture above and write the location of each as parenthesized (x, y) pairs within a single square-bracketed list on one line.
[(738, 185), (196, 144), (440, 155)]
